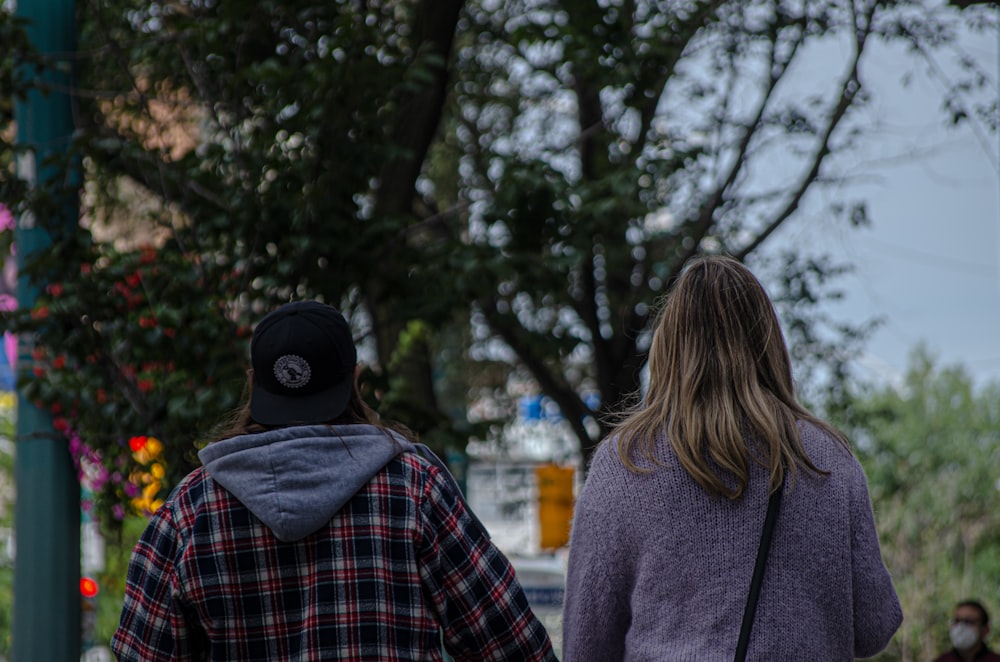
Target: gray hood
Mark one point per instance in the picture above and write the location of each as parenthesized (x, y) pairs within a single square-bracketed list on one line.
[(296, 479)]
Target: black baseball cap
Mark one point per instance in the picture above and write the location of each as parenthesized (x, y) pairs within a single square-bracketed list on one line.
[(303, 359)]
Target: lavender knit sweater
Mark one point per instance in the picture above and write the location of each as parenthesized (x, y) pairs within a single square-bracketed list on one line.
[(659, 570)]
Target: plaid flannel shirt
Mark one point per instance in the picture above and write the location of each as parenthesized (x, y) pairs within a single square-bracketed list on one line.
[(400, 568)]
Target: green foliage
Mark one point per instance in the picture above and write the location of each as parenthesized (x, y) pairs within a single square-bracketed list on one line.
[(606, 144), (476, 184), (146, 335), (288, 134), (6, 519), (118, 550), (146, 347), (930, 449)]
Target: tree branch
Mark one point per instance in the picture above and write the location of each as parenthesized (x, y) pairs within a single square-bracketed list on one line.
[(572, 407), (700, 227), (849, 89)]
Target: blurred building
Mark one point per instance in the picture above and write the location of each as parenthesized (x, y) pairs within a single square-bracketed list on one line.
[(521, 484)]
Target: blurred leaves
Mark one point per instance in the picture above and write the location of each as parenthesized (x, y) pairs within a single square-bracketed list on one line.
[(476, 184), (931, 447)]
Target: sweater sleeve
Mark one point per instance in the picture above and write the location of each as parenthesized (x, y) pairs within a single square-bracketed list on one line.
[(152, 627), (481, 606), (596, 612), (877, 612)]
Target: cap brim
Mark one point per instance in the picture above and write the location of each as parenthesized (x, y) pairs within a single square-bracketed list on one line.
[(268, 408)]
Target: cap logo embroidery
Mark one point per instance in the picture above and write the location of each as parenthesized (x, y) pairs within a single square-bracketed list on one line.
[(292, 371)]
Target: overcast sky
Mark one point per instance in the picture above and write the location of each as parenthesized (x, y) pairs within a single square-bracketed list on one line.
[(929, 264)]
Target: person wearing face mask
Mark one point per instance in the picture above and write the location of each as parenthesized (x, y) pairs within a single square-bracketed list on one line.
[(969, 627)]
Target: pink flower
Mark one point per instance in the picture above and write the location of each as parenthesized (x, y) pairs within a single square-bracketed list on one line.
[(118, 512), (101, 478), (6, 219)]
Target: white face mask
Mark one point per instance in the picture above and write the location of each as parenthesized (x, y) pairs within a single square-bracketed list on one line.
[(963, 637)]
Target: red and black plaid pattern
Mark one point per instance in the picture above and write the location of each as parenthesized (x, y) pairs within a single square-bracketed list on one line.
[(402, 566)]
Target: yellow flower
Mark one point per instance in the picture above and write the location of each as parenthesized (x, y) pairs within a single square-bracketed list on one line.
[(139, 504), (151, 490), (153, 447)]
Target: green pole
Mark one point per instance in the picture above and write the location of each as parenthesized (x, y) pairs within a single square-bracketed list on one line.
[(47, 512)]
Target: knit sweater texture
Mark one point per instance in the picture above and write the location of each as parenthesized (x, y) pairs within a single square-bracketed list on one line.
[(660, 570)]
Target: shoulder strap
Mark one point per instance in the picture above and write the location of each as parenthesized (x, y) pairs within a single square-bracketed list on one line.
[(773, 503)]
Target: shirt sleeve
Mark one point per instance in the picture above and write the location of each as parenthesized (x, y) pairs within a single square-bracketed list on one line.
[(877, 612), (482, 609), (595, 612), (152, 627)]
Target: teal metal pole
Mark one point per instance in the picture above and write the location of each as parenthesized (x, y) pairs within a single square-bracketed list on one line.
[(47, 512)]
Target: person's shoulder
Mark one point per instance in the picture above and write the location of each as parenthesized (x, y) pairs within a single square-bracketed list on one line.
[(606, 459), (610, 482), (191, 486), (813, 431), (608, 452), (411, 460), (821, 442), (605, 451), (196, 494), (414, 471)]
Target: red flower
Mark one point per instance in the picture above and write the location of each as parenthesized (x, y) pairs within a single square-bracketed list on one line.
[(147, 322), (145, 385), (55, 289), (147, 255), (59, 362), (40, 313), (137, 443)]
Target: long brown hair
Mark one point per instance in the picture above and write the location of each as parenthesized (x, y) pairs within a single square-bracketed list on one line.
[(720, 384)]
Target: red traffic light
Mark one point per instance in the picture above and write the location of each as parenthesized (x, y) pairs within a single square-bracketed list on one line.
[(88, 587)]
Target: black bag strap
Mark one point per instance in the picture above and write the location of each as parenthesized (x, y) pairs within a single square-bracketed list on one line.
[(766, 534)]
